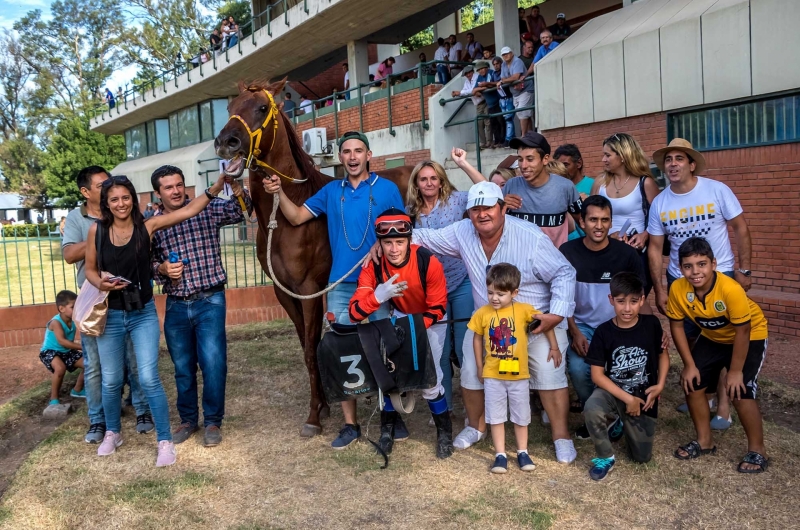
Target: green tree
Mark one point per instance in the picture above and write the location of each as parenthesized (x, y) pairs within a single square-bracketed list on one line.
[(421, 39), (72, 147), (21, 165)]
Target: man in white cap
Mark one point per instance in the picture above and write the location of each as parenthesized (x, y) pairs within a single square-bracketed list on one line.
[(513, 71), (693, 206), (470, 88), (489, 237), (560, 29)]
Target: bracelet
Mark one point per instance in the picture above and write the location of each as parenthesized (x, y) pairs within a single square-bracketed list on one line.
[(209, 194)]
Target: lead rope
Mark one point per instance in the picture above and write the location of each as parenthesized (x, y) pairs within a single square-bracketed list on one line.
[(273, 224)]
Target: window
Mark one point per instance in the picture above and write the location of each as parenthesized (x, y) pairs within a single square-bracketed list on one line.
[(761, 122), (206, 127), (151, 137), (173, 131), (162, 135), (219, 108), (189, 126), (135, 142)]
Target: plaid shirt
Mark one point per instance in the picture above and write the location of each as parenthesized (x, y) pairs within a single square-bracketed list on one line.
[(198, 240)]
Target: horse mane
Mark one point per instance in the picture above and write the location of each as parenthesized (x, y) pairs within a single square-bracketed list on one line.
[(303, 161)]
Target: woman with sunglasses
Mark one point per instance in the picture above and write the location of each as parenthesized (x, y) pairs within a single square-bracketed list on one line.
[(412, 280), (118, 261), (433, 202)]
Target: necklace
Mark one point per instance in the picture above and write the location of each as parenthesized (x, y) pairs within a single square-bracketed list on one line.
[(121, 238), (614, 182), (369, 219)]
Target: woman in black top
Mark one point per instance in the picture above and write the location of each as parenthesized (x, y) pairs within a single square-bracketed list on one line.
[(118, 261)]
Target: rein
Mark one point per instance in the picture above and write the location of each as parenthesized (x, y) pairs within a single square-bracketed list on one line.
[(255, 140)]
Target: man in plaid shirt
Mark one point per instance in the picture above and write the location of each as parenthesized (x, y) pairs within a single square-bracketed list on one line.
[(194, 325)]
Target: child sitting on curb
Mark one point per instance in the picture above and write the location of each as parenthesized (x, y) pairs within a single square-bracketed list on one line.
[(60, 353)]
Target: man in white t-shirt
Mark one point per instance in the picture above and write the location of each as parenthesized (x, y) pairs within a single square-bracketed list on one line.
[(693, 206), (455, 54), (305, 105), (346, 81)]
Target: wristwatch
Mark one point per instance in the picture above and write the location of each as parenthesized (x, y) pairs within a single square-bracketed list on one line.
[(209, 195), (746, 272)]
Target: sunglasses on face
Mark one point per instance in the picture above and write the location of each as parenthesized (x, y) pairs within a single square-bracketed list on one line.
[(119, 179), (399, 227)]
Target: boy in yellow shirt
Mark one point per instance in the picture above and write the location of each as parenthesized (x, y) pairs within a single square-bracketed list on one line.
[(733, 335), (501, 355)]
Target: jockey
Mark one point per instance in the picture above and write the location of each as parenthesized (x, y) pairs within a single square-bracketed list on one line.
[(413, 280)]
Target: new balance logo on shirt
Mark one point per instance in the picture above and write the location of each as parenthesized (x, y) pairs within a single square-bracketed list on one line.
[(606, 277)]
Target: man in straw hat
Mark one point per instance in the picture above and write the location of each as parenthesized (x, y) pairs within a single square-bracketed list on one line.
[(693, 206)]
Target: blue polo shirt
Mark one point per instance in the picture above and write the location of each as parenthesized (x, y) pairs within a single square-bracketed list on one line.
[(544, 50), (338, 200)]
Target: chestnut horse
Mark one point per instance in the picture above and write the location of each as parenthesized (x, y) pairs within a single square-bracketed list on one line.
[(260, 138)]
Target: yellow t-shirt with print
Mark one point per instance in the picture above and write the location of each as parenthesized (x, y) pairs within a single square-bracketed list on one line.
[(504, 338), (725, 306)]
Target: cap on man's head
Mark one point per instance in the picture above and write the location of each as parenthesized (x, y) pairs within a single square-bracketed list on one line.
[(484, 194), (506, 50), (353, 135), (481, 64), (468, 69), (561, 15), (531, 139)]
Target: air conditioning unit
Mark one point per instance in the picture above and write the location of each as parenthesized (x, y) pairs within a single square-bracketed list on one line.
[(314, 140), (330, 147)]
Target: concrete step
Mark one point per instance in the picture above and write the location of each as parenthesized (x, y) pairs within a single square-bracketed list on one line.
[(490, 159)]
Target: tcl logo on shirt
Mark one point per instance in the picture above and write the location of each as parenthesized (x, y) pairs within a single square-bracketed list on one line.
[(712, 323)]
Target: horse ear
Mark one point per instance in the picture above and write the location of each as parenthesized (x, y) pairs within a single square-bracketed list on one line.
[(277, 87), (241, 85)]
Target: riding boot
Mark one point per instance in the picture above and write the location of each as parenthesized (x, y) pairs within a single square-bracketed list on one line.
[(444, 434), (386, 441)]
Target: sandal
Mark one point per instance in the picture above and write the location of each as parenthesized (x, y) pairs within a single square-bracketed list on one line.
[(756, 459), (693, 450)]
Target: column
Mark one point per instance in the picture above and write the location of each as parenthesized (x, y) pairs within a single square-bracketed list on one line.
[(445, 27), (357, 64), (506, 25)]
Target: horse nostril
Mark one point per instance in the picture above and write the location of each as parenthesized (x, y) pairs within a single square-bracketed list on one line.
[(233, 143)]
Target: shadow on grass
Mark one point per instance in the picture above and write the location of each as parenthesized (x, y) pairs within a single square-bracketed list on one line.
[(504, 502), (148, 491)]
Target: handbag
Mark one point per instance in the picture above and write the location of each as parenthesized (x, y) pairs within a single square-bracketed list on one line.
[(91, 307)]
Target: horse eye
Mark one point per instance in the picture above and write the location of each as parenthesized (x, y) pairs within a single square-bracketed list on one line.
[(263, 109)]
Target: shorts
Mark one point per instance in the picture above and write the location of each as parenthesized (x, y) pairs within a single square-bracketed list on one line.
[(711, 357), (544, 375), (523, 99), (68, 357), (502, 395)]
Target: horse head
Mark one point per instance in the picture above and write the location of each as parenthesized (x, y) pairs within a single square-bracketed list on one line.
[(251, 133)]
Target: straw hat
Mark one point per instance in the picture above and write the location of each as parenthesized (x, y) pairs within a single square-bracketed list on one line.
[(679, 144)]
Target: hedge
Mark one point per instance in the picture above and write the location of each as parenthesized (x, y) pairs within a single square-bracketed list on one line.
[(30, 230)]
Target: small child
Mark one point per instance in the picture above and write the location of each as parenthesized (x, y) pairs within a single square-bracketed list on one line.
[(60, 353), (733, 335), (629, 367), (502, 365)]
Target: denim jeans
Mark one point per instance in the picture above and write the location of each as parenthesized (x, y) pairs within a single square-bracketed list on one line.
[(580, 372), (442, 74), (142, 328), (93, 380), (507, 104), (459, 305), (195, 334), (339, 303)]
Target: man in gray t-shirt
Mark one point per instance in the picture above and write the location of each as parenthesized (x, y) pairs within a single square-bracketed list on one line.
[(513, 71), (547, 199), (76, 229)]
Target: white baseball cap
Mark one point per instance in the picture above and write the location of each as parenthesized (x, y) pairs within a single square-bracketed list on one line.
[(561, 15), (506, 50), (484, 194)]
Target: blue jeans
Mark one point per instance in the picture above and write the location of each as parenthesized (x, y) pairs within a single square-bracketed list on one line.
[(142, 328), (339, 302), (195, 334), (580, 372), (507, 104), (459, 305), (442, 74), (689, 327), (93, 379)]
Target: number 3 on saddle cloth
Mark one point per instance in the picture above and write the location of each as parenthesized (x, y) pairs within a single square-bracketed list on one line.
[(351, 363)]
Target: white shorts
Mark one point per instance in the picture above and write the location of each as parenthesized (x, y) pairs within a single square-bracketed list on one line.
[(502, 396), (524, 99), (544, 375)]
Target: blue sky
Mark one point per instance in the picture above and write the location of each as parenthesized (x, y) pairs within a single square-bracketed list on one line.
[(13, 10)]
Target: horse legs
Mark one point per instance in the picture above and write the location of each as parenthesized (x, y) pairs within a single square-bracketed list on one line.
[(312, 316)]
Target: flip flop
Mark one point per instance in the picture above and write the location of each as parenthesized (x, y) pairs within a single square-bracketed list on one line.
[(693, 450), (756, 459)]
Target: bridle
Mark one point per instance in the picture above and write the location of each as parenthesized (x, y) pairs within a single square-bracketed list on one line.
[(254, 152)]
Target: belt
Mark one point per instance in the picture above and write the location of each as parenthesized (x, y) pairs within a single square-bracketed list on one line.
[(201, 295)]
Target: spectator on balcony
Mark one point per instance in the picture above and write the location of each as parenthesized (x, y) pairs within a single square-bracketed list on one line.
[(233, 32), (471, 89), (474, 48), (548, 45), (119, 94), (527, 56), (506, 101), (455, 54), (523, 22), (442, 54), (225, 33), (427, 70), (513, 71), (493, 128), (560, 29), (488, 54), (288, 106), (345, 68), (536, 25), (306, 105), (215, 40), (110, 99), (385, 69)]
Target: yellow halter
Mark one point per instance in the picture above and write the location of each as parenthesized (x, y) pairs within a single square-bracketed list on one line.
[(255, 139)]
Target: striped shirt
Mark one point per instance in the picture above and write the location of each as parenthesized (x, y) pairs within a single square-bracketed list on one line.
[(548, 280)]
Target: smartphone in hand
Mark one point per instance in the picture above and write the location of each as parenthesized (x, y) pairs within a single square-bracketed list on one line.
[(119, 280)]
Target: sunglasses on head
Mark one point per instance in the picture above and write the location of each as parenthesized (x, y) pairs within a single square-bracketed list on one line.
[(401, 228), (119, 179)]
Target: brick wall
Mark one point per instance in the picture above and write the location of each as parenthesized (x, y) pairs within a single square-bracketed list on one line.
[(412, 158), (322, 84), (766, 181)]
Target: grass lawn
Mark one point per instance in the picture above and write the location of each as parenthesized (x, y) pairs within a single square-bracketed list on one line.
[(265, 476), (32, 271)]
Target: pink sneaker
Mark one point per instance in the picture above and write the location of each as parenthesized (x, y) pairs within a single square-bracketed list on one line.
[(167, 455), (111, 441)]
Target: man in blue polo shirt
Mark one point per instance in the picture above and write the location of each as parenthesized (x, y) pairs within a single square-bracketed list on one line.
[(548, 45), (351, 206)]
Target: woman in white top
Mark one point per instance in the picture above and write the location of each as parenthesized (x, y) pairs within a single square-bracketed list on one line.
[(626, 173)]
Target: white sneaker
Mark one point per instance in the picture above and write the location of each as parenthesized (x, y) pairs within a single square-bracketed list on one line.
[(545, 418), (431, 423), (468, 437), (565, 451)]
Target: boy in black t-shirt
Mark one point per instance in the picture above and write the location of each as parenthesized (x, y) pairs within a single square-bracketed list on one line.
[(629, 367)]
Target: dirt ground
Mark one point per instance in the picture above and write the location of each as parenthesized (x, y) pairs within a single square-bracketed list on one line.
[(20, 370), (265, 476)]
